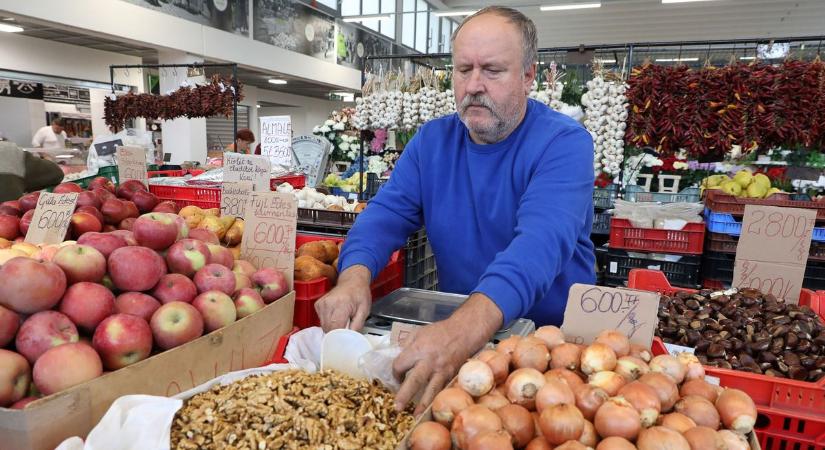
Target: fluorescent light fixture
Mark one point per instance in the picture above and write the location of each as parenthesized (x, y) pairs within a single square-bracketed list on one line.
[(677, 60), (10, 28), (257, 106), (685, 1), (455, 13), (347, 97), (276, 81), (570, 6), (802, 47), (747, 58), (65, 156), (367, 17), (606, 61)]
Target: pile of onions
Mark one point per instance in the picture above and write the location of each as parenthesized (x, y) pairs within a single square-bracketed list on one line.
[(539, 393)]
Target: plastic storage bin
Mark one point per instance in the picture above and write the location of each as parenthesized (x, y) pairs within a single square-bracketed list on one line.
[(420, 271), (719, 266), (637, 194), (725, 223), (280, 350), (689, 240), (601, 223), (603, 198), (203, 197), (297, 180), (719, 202), (682, 269), (726, 243)]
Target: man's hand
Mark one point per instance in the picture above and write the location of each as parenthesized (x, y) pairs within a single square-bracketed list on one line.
[(438, 350), (349, 301)]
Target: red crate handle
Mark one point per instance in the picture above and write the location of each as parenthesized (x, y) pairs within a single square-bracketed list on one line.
[(278, 357)]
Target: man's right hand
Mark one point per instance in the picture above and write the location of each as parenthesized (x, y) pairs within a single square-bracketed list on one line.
[(349, 301)]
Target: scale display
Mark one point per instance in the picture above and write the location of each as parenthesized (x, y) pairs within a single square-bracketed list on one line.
[(312, 153)]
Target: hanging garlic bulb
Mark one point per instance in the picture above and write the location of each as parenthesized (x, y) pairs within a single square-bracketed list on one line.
[(605, 105)]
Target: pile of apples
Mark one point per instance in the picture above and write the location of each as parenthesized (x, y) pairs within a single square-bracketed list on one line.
[(110, 299)]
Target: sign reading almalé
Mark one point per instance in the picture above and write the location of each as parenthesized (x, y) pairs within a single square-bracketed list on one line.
[(252, 168), (51, 218), (269, 232), (276, 139)]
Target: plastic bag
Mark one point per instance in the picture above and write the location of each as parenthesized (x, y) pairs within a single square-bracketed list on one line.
[(670, 216), (377, 363)]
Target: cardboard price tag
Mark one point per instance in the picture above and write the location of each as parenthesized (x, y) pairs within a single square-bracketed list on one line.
[(269, 237), (276, 139), (131, 164), (51, 218), (252, 168), (234, 198), (592, 309)]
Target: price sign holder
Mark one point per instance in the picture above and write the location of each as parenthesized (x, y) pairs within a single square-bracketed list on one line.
[(269, 232), (252, 168), (51, 218), (131, 164), (592, 309), (773, 250), (234, 197), (276, 140)]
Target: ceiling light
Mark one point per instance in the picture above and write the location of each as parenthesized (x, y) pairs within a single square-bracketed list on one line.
[(570, 6), (343, 96), (747, 58), (606, 61), (367, 17), (455, 13), (10, 28), (677, 60), (276, 81), (65, 156), (802, 47), (685, 1), (257, 106)]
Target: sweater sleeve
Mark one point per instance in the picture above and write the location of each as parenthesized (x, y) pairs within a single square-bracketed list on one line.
[(550, 217), (389, 219)]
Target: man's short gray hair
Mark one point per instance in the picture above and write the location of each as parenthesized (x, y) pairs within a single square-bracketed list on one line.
[(529, 35)]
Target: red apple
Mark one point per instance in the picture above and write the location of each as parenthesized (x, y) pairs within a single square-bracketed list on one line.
[(102, 183), (9, 323), (145, 201), (243, 267), (176, 323), (15, 377), (87, 304), (23, 403), (108, 283), (136, 268), (183, 228), (174, 287), (248, 301), (242, 281), (46, 252), (136, 304), (204, 235), (9, 211), (93, 211), (89, 198), (156, 230), (121, 340), (25, 221), (29, 201), (126, 235), (216, 308), (114, 211), (65, 366), (128, 188), (81, 263), (85, 223), (215, 277), (109, 228), (221, 255), (127, 223), (67, 187), (272, 283), (43, 331), (187, 256), (12, 204), (105, 243), (167, 206), (28, 286), (103, 195), (131, 209), (9, 227)]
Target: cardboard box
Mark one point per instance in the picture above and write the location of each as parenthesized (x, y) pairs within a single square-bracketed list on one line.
[(249, 342)]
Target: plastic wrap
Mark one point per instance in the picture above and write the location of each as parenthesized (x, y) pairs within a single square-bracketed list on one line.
[(671, 216)]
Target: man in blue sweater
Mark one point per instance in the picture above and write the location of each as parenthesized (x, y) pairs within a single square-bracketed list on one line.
[(504, 188)]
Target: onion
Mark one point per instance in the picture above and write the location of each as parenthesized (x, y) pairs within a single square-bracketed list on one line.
[(507, 346), (640, 352), (589, 436), (677, 422), (589, 399), (615, 443), (448, 403), (661, 438), (561, 423), (737, 411), (565, 356), (615, 340), (536, 424), (519, 423), (555, 391), (670, 366), (700, 410), (704, 438), (493, 401), (611, 382), (701, 388), (598, 358), (476, 378), (551, 336), (572, 445), (523, 385), (695, 370), (501, 389), (471, 422), (644, 399), (430, 436), (529, 354), (665, 388), (491, 440), (571, 378), (617, 417), (538, 444), (631, 367), (499, 363), (733, 441)]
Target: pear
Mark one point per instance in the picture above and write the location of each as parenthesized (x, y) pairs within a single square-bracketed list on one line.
[(743, 178), (756, 190), (763, 180), (732, 188), (772, 191)]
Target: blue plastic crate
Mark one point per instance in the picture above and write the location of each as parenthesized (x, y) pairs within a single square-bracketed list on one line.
[(687, 195), (726, 224), (601, 223), (603, 198)]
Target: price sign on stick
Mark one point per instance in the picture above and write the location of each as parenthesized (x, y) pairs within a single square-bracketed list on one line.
[(234, 197), (773, 250), (131, 164), (591, 309), (269, 236), (51, 218), (252, 168), (276, 139)]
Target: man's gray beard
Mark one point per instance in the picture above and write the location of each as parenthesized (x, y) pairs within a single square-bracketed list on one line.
[(498, 131)]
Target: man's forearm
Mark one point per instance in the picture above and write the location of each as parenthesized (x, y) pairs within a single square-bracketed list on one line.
[(355, 274), (478, 319)]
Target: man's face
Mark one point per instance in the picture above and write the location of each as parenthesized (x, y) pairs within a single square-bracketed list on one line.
[(57, 128), (489, 79)]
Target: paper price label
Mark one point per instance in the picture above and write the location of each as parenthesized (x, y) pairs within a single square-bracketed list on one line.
[(234, 198), (51, 218), (252, 168), (276, 139), (131, 164), (591, 309), (269, 232), (674, 349)]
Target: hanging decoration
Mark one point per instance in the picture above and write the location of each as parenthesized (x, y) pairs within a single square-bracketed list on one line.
[(605, 106)]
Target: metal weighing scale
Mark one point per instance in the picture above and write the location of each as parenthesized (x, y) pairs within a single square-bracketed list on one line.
[(420, 307)]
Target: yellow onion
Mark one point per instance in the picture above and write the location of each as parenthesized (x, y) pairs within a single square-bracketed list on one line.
[(539, 444), (615, 340), (598, 358), (617, 417), (430, 436), (589, 436), (677, 422), (615, 443), (700, 410), (638, 351), (704, 438), (665, 388), (448, 403), (734, 441), (571, 378), (572, 445), (670, 366), (551, 336), (589, 399), (561, 423), (499, 363), (523, 385), (476, 378), (493, 400), (555, 391), (565, 356), (508, 345), (517, 421), (631, 367), (644, 399), (737, 410), (491, 440), (661, 438), (701, 388), (536, 424), (471, 422), (531, 354), (611, 382), (695, 371)]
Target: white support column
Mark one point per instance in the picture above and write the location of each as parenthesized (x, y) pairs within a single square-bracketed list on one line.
[(184, 138)]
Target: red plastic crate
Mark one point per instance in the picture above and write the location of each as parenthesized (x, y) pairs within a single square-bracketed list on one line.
[(719, 202), (278, 357), (297, 181), (203, 197), (165, 173), (688, 240)]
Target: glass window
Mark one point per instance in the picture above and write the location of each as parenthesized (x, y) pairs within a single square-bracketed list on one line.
[(369, 6), (409, 5), (432, 36), (446, 27), (421, 32), (388, 27), (421, 5), (408, 29), (350, 7), (372, 24), (333, 4), (387, 6)]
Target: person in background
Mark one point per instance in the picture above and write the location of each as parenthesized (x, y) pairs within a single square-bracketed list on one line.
[(243, 140), (22, 171), (51, 136)]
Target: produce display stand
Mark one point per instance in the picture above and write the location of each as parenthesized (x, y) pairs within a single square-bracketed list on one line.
[(719, 202), (689, 240)]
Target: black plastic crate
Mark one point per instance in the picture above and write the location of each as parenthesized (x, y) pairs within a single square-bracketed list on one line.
[(719, 266), (601, 223), (373, 185), (681, 270), (603, 198), (420, 262)]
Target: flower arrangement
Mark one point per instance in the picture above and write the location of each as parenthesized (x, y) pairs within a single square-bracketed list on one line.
[(339, 130)]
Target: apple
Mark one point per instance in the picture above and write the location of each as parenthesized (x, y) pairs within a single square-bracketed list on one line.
[(93, 211), (23, 403), (5, 243), (243, 267), (272, 283), (46, 252), (126, 235), (42, 331), (187, 256), (28, 286), (87, 304), (156, 230), (9, 211), (82, 223), (167, 206), (25, 247), (105, 243), (114, 211), (137, 304), (12, 204), (67, 187), (176, 323), (136, 268), (248, 301), (121, 340), (221, 255), (131, 209), (216, 308), (9, 227), (204, 235), (65, 366), (242, 281), (102, 183), (174, 287), (127, 224), (89, 198), (215, 277), (25, 221), (81, 263), (145, 201), (15, 376), (127, 189), (183, 228), (29, 201), (103, 195), (9, 323)]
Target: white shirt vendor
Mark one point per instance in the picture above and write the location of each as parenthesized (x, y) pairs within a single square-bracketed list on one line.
[(50, 136)]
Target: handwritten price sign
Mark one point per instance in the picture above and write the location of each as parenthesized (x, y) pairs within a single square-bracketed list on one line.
[(591, 309), (234, 198), (269, 237), (252, 168), (51, 218), (131, 164), (276, 139)]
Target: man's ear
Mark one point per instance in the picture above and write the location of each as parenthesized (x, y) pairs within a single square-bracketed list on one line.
[(529, 77)]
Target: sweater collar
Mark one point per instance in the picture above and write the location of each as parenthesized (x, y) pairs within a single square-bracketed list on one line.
[(498, 146)]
